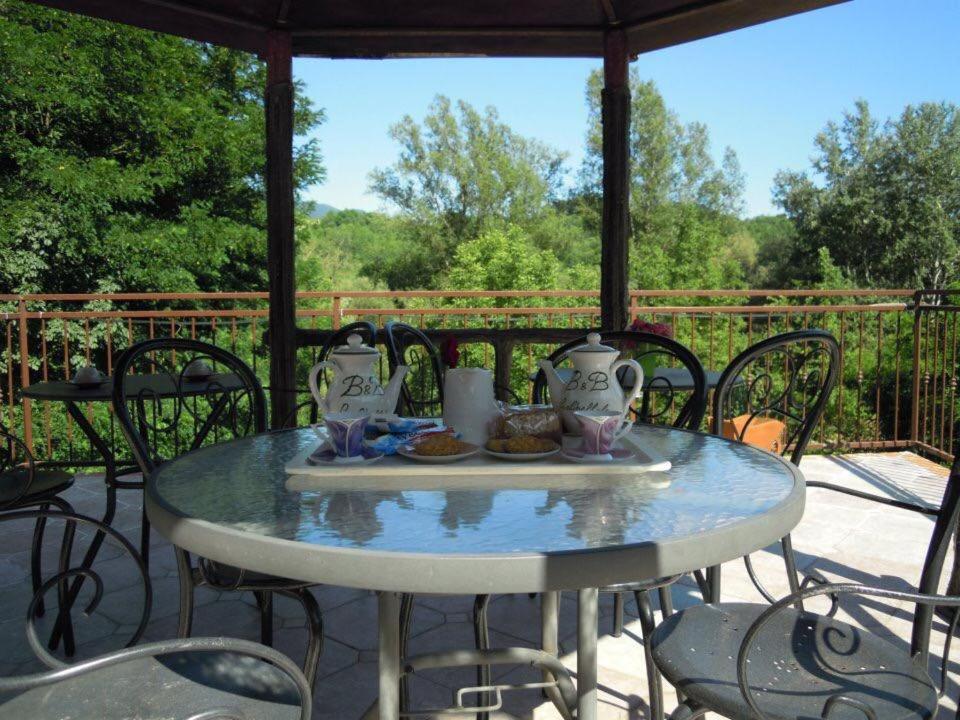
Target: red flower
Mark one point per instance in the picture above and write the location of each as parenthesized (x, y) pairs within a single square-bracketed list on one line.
[(449, 354), (653, 328)]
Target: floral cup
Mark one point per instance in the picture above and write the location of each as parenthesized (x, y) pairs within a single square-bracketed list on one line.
[(599, 433), (346, 435)]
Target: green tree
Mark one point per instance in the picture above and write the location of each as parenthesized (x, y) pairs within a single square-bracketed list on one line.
[(683, 205), (883, 200), (131, 160), (460, 170), (773, 238), (503, 258)]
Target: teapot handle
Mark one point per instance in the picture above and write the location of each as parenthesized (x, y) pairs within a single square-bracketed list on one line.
[(312, 382), (628, 398)]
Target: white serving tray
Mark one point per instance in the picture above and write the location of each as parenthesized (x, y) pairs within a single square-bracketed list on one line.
[(552, 472)]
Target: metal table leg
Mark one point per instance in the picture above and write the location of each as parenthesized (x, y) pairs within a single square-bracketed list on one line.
[(389, 621), (587, 609)]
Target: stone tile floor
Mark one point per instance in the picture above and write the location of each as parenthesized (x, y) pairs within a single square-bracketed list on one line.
[(842, 537)]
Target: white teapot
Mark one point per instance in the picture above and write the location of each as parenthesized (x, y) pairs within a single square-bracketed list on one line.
[(593, 384), (354, 388)]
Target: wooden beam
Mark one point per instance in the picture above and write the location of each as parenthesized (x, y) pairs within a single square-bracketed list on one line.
[(279, 109), (615, 230)]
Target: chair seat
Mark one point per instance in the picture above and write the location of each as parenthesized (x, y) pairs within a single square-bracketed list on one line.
[(177, 685), (45, 482), (797, 662)]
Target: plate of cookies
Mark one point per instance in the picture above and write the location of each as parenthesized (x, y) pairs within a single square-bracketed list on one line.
[(438, 448), (521, 448)]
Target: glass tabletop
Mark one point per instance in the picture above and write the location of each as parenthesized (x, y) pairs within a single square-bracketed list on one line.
[(713, 484)]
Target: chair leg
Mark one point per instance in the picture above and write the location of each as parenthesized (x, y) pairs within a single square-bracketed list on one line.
[(790, 561), (145, 535), (187, 582), (666, 600), (64, 622), (617, 614), (36, 571), (648, 624), (311, 609), (713, 585), (406, 623), (265, 601), (688, 710), (481, 635)]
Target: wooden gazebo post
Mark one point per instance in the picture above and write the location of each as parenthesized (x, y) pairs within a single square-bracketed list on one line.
[(615, 231), (278, 100)]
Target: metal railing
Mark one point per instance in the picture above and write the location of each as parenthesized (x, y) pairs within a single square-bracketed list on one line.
[(898, 378)]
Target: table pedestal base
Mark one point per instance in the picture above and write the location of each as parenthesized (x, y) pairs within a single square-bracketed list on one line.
[(579, 703)]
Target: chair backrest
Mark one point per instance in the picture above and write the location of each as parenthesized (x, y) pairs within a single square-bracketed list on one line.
[(165, 408), (61, 596), (16, 469), (367, 332), (943, 531), (422, 391), (664, 400), (785, 379)]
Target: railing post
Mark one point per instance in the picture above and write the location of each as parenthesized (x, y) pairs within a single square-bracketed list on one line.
[(25, 373), (915, 400), (337, 312)]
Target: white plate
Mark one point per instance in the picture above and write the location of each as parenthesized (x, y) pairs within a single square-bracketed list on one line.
[(325, 456), (619, 455), (521, 457), (437, 459)]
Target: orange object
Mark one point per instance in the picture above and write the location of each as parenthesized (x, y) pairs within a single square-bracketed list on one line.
[(762, 432)]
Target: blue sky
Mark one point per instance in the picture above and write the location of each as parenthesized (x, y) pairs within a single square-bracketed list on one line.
[(765, 91)]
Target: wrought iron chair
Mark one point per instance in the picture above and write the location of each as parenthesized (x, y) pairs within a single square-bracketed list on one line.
[(807, 665), (190, 411), (787, 378), (692, 402), (193, 677), (422, 390), (24, 485), (366, 330)]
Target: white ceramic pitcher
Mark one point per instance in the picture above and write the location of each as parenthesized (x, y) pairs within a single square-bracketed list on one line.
[(469, 404)]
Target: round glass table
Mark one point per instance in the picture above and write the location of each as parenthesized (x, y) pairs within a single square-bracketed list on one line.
[(719, 501)]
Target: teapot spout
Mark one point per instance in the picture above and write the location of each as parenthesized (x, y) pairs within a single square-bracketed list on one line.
[(554, 381), (391, 393)]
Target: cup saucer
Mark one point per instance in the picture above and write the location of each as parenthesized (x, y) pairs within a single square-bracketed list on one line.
[(325, 455), (618, 454)]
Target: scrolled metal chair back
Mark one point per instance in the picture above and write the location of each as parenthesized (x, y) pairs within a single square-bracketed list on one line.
[(165, 409), (787, 378), (663, 402), (67, 580), (16, 467), (926, 600), (422, 390)]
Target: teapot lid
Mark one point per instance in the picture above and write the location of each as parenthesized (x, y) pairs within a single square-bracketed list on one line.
[(355, 346), (593, 345)]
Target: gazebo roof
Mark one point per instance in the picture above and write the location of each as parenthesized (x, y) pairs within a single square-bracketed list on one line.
[(390, 28)]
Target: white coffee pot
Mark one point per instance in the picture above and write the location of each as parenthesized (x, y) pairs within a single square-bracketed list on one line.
[(593, 386), (469, 404), (354, 387)]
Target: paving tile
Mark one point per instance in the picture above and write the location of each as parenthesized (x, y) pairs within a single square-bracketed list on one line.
[(355, 623)]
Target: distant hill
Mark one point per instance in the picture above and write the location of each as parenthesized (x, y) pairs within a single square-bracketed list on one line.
[(321, 209)]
